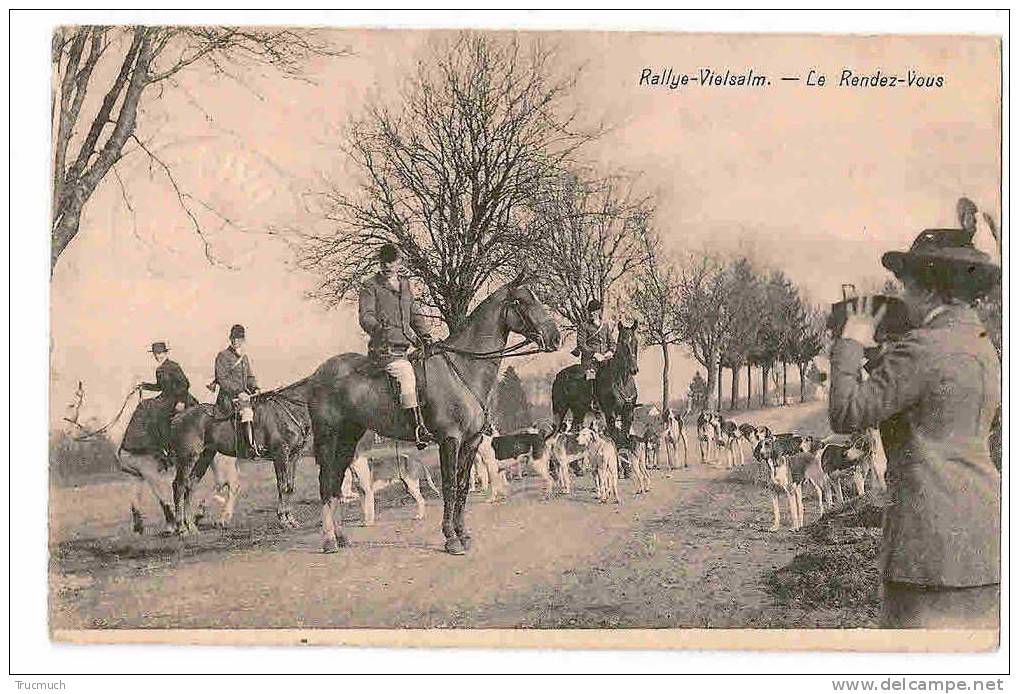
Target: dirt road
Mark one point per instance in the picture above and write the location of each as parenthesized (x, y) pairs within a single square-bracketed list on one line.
[(691, 553)]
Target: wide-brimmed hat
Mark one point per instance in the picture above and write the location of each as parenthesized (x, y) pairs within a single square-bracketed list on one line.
[(236, 331), (159, 348), (947, 251)]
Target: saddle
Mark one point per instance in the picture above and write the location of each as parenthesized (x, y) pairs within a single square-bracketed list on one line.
[(373, 368)]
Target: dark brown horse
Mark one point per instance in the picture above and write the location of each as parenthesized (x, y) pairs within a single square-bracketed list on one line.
[(351, 394), (614, 388), (281, 428)]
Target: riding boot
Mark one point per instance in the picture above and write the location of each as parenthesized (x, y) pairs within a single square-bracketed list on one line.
[(417, 425), (249, 432), (594, 397)]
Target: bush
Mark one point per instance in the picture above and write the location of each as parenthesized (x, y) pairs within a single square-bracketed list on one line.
[(844, 576), (72, 460)]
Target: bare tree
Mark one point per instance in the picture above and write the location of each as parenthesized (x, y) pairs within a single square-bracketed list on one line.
[(446, 174), (743, 307), (654, 296), (701, 316), (589, 236), (120, 64), (806, 340)]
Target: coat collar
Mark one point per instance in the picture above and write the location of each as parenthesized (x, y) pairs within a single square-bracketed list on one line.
[(380, 281), (948, 315)]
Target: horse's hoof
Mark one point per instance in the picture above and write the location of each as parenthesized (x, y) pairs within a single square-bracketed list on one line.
[(466, 541), (455, 546), (330, 547)]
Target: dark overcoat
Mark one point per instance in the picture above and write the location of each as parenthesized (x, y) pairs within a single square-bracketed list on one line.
[(934, 395), (234, 376), (391, 318), (592, 339)]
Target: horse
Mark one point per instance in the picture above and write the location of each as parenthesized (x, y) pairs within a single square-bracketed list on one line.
[(140, 456), (349, 394), (614, 387), (281, 428)]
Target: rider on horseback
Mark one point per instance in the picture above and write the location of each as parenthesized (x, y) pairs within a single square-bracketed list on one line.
[(387, 311), (237, 384), (172, 386), (595, 343)]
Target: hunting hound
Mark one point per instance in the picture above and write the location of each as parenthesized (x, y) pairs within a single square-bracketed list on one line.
[(792, 460), (707, 434), (374, 473)]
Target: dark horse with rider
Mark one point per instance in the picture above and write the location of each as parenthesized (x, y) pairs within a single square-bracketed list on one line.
[(602, 383)]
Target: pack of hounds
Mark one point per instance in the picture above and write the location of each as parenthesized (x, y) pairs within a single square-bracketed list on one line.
[(794, 460)]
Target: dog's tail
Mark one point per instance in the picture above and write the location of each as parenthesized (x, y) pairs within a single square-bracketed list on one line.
[(428, 479)]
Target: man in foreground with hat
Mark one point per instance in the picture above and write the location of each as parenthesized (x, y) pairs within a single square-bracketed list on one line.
[(388, 312), (933, 393), (172, 386), (237, 382), (595, 343)]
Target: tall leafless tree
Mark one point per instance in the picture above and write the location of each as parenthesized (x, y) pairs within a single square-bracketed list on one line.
[(654, 297), (701, 317), (743, 301), (101, 75), (590, 235), (446, 172)]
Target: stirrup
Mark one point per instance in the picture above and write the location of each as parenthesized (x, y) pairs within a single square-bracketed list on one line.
[(421, 436)]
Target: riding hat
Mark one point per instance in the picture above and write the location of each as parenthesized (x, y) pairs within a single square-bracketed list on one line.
[(159, 348), (388, 253), (949, 255), (236, 331), (594, 305)]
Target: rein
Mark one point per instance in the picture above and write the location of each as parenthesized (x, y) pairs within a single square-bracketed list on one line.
[(88, 435), (503, 353)]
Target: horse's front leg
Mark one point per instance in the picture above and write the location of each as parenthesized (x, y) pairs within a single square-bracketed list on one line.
[(465, 462), (449, 451), (284, 491), (183, 485)]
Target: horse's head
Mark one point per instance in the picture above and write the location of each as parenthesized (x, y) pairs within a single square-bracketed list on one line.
[(526, 316), (626, 347)]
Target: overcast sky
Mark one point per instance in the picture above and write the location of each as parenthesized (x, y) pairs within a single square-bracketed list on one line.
[(816, 181)]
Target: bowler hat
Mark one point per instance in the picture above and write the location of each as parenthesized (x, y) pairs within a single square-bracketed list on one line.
[(949, 255), (159, 348), (236, 331), (594, 305)]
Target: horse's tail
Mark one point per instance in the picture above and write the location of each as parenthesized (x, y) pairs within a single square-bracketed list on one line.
[(428, 479)]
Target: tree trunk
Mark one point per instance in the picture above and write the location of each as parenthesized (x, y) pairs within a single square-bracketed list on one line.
[(764, 385), (65, 230), (719, 408), (712, 374), (785, 375), (749, 383), (803, 390), (665, 377), (734, 391)]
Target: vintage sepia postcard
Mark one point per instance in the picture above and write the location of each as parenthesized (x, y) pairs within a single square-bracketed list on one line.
[(559, 339)]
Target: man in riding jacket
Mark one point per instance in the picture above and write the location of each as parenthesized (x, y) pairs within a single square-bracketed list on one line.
[(237, 381), (595, 343), (388, 312), (172, 386)]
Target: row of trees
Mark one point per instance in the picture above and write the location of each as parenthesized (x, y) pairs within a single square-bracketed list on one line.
[(729, 314)]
